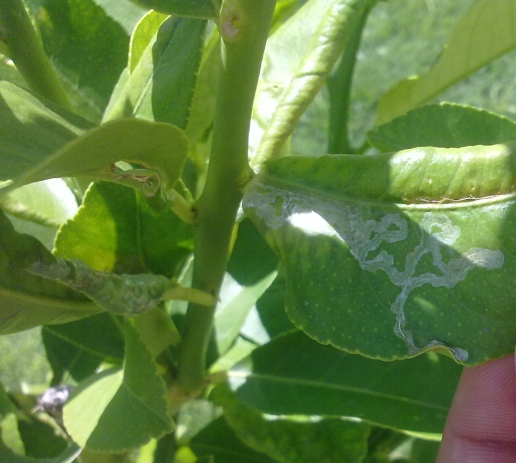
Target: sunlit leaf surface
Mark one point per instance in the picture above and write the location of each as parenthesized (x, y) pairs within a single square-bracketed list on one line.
[(395, 254)]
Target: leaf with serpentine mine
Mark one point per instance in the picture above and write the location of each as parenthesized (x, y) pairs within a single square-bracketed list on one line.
[(395, 254)]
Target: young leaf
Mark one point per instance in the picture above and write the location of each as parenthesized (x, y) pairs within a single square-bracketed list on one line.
[(294, 375), (158, 146), (492, 21), (294, 441), (384, 255), (116, 231), (118, 410), (143, 34), (90, 63), (444, 125), (205, 9), (295, 69), (161, 85)]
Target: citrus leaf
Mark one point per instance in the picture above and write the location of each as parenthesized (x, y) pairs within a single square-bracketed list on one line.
[(493, 24), (142, 36), (119, 294), (296, 440), (205, 9), (116, 231), (220, 441), (118, 410), (394, 254), (235, 303), (295, 68), (250, 247), (160, 87), (158, 146), (80, 347), (89, 65), (294, 375), (68, 456), (28, 300), (30, 130), (445, 125)]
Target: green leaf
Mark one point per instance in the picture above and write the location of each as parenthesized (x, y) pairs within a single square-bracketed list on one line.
[(295, 440), (80, 347), (384, 255), (161, 86), (87, 48), (40, 208), (235, 303), (10, 435), (28, 300), (220, 441), (124, 12), (40, 439), (295, 68), (68, 456), (116, 231), (24, 363), (294, 375), (493, 24), (205, 9), (202, 111), (143, 34), (31, 130), (118, 410), (271, 308), (158, 146), (250, 247), (444, 125)]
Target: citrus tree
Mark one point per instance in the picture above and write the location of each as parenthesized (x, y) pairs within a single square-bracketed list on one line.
[(248, 277)]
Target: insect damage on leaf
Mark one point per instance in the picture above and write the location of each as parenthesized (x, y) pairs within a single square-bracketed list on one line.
[(364, 236)]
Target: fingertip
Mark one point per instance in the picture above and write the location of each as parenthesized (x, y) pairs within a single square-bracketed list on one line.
[(481, 425)]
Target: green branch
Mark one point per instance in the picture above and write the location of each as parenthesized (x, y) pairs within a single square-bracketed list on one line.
[(23, 46), (244, 27)]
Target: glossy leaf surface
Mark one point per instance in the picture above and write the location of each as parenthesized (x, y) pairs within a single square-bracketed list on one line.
[(294, 375), (298, 57), (116, 231), (493, 23), (161, 85), (394, 254), (158, 146), (444, 125), (294, 441), (90, 63), (120, 409)]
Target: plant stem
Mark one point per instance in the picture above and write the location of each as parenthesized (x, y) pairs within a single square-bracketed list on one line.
[(339, 86), (244, 27), (26, 50)]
